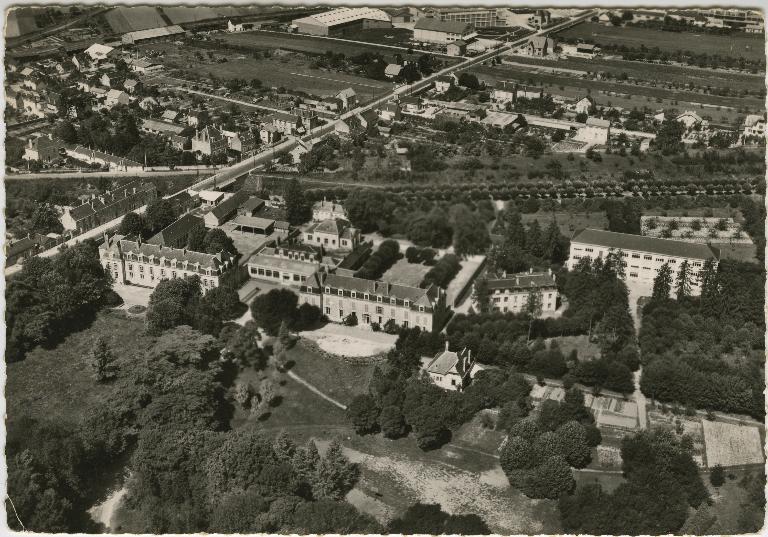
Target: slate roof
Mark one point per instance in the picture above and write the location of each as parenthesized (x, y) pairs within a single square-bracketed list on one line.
[(230, 204), (626, 241), (415, 295), (180, 228), (202, 260), (447, 362), (253, 221), (335, 226), (20, 246)]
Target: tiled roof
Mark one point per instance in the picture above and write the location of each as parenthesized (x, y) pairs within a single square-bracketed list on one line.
[(443, 362), (626, 241), (203, 260), (119, 194), (180, 228), (335, 226)]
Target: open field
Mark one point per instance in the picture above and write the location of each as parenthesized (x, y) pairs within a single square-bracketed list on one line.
[(286, 70), (309, 44), (745, 45), (660, 74), (386, 36), (617, 94), (405, 273), (56, 384), (731, 445), (581, 344), (128, 19)]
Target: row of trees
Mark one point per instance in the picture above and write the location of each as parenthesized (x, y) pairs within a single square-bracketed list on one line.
[(380, 261), (521, 248), (279, 307), (443, 272)]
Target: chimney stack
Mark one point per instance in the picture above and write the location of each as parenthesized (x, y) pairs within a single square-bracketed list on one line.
[(446, 345), (530, 270), (517, 280)]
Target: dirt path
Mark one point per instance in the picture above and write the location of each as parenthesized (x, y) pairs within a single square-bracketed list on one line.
[(311, 388)]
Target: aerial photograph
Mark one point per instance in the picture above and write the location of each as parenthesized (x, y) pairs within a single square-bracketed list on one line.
[(349, 269)]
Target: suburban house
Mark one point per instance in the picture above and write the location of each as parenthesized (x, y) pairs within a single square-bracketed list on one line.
[(269, 133), (594, 132), (146, 265), (20, 250), (580, 50), (197, 118), (540, 45), (109, 206), (392, 70), (225, 210), (510, 293), (390, 111), (754, 126), (115, 97), (643, 256), (456, 48), (584, 105), (348, 98), (43, 148), (287, 123), (540, 19), (327, 210), (211, 198), (444, 82), (690, 119), (98, 52), (373, 301), (146, 66), (430, 30), (451, 370), (333, 234), (241, 26), (177, 234), (130, 85)]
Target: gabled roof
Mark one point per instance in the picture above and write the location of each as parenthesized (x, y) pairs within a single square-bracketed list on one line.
[(115, 93), (162, 126), (626, 241), (436, 25), (180, 228), (541, 41), (344, 15), (346, 93), (523, 281), (448, 362), (415, 295), (335, 226), (230, 204), (20, 246)]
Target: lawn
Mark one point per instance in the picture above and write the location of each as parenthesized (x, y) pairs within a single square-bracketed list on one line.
[(584, 348), (749, 46), (739, 252), (56, 384), (405, 273)]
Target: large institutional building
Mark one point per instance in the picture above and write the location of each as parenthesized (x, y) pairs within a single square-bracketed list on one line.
[(510, 293), (344, 21), (642, 256), (112, 204), (143, 264), (430, 30), (373, 301)]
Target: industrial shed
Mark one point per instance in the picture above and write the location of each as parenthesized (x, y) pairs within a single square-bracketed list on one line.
[(343, 22)]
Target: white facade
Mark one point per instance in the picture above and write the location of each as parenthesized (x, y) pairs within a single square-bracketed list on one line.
[(642, 257)]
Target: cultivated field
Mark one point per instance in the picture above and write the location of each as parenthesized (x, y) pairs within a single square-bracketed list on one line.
[(728, 444), (616, 94), (749, 46), (661, 74), (129, 19)]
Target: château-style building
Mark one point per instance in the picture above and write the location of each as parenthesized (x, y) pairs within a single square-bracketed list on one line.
[(511, 292)]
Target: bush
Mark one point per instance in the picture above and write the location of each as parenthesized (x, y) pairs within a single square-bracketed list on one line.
[(443, 272), (383, 258)]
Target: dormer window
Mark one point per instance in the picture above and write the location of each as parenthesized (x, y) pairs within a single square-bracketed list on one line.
[(327, 290), (354, 294), (393, 301), (341, 293), (407, 303), (421, 308), (379, 299), (367, 296)]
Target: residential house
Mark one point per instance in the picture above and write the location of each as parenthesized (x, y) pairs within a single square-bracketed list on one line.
[(444, 82), (392, 70), (109, 206), (328, 210), (456, 48), (374, 301), (43, 149), (171, 116), (269, 133), (225, 210), (302, 148), (595, 132), (197, 118), (511, 293), (176, 235), (115, 97), (99, 52), (131, 85), (348, 98), (754, 127), (18, 251), (156, 126), (242, 26), (540, 19), (451, 370), (690, 119), (106, 80), (642, 256), (584, 105), (287, 123), (149, 104), (146, 265), (211, 198), (540, 45), (146, 66), (106, 160), (333, 234)]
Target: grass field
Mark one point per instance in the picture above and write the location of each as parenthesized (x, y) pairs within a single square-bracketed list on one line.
[(584, 348), (569, 222), (749, 46), (288, 70), (661, 74), (56, 384), (405, 273), (739, 252), (128, 19), (616, 94)]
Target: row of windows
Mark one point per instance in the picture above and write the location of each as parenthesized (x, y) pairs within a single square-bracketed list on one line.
[(171, 264), (367, 296), (367, 318), (645, 257), (205, 282), (276, 274)]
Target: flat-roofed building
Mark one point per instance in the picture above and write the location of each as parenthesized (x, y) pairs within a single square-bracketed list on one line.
[(289, 264), (642, 256), (146, 265), (373, 301), (511, 292)]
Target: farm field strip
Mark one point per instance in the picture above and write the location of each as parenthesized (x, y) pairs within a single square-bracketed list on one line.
[(736, 45), (336, 80)]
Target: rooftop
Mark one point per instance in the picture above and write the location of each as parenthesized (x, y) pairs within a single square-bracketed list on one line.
[(154, 32), (180, 228), (343, 15), (626, 241), (523, 280)]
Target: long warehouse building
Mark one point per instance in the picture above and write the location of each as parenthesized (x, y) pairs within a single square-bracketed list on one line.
[(343, 22)]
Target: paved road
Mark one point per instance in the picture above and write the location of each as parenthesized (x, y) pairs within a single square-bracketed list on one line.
[(311, 388)]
